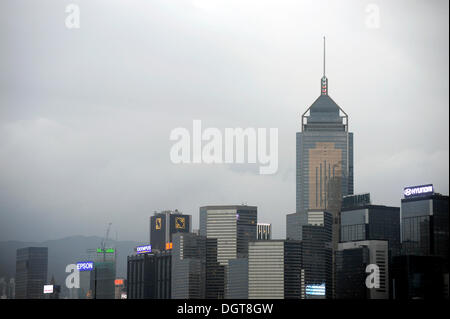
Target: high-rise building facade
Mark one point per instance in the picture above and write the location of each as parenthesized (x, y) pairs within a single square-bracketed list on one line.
[(324, 158), (233, 226), (425, 223), (317, 254), (324, 155), (264, 231), (31, 272), (188, 266), (314, 230), (364, 221), (274, 270), (166, 223), (352, 258), (215, 272), (422, 271), (149, 275), (237, 279)]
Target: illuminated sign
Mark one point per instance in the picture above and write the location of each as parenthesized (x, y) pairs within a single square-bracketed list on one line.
[(144, 249), (48, 289), (415, 191), (315, 290), (169, 246), (118, 282), (180, 222), (107, 250), (85, 265), (158, 223)]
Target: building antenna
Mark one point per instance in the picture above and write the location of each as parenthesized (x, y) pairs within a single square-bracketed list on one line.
[(324, 56), (324, 80)]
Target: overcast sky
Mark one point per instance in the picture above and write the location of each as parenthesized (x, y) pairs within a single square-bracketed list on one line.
[(86, 114)]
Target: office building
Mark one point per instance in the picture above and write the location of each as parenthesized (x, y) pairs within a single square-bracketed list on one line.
[(237, 279), (188, 266), (149, 275), (424, 222), (360, 220), (352, 258), (422, 270), (314, 230), (274, 270), (324, 158), (317, 255), (233, 226), (264, 231), (196, 273), (166, 223), (215, 272), (31, 272)]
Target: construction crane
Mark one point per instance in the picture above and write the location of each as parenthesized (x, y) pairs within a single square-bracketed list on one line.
[(101, 250), (103, 244)]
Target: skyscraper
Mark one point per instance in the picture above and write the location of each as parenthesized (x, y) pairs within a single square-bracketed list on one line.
[(351, 261), (422, 270), (361, 220), (233, 226), (31, 272), (237, 279), (324, 157), (314, 230), (149, 275), (425, 223), (166, 223), (324, 154), (274, 270), (188, 267)]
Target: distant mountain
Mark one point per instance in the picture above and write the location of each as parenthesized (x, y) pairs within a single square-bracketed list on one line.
[(62, 252)]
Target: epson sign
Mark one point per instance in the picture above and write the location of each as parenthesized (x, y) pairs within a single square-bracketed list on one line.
[(85, 265), (414, 191)]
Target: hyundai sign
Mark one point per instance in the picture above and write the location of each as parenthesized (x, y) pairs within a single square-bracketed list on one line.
[(85, 265), (415, 191), (144, 249)]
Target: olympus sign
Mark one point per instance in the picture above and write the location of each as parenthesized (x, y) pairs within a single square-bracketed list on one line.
[(418, 190), (144, 249)]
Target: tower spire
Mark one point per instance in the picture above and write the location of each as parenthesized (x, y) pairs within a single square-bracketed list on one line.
[(324, 56), (324, 81)]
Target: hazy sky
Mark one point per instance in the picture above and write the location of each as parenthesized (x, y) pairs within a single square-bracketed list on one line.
[(86, 114)]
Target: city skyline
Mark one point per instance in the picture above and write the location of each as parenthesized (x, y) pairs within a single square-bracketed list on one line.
[(89, 142)]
